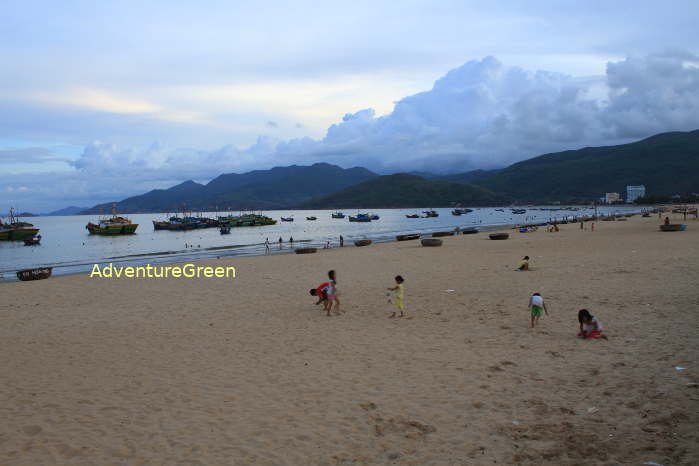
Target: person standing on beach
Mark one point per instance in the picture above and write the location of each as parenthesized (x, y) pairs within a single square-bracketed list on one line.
[(266, 245), (398, 296), (332, 290), (280, 242), (342, 241), (537, 305)]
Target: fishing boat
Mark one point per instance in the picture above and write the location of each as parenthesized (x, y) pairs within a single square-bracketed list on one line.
[(461, 211), (33, 241), (374, 217), (225, 230), (112, 226), (360, 218), (287, 219), (305, 250), (311, 218), (437, 234), (246, 220), (408, 237), (519, 211), (430, 213), (469, 231), (362, 242), (338, 215), (412, 216), (431, 242), (16, 230), (498, 236)]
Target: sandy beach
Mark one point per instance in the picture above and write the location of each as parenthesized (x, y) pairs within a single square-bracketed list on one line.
[(248, 371)]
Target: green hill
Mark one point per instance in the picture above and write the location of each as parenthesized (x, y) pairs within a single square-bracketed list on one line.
[(666, 164), (403, 190), (277, 188)]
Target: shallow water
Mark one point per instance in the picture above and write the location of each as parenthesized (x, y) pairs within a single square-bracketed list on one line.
[(68, 247)]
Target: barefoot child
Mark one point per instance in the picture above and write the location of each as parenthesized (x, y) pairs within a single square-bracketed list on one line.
[(322, 293), (537, 305), (524, 265), (590, 327), (332, 291), (398, 294)]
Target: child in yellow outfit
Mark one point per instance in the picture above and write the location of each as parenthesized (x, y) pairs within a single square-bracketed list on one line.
[(398, 295)]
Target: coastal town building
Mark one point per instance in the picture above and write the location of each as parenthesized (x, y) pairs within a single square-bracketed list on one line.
[(611, 198), (634, 192)]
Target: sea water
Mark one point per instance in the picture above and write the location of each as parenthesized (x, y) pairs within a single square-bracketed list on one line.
[(68, 247)]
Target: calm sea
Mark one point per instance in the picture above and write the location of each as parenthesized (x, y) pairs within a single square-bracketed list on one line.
[(68, 247)]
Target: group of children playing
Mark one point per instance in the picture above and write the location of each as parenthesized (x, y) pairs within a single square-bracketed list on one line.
[(327, 294)]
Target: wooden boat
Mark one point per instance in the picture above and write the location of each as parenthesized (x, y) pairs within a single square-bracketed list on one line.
[(646, 214), (408, 237), (305, 250), (16, 230), (360, 218), (437, 234), (34, 274), (412, 216), (431, 242), (362, 242), (338, 215), (34, 240), (112, 226), (287, 219), (469, 231), (673, 227), (374, 217), (498, 236), (430, 214), (225, 230), (311, 218)]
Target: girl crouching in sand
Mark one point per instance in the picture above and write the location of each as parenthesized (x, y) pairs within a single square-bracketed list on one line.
[(590, 327), (537, 305), (398, 294)]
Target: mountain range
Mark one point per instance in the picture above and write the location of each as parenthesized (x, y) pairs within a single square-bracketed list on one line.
[(666, 164)]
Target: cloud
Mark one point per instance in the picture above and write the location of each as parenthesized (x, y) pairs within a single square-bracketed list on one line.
[(29, 155), (482, 114), (272, 124)]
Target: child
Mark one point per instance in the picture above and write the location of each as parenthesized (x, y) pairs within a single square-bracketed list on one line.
[(332, 291), (322, 293), (524, 265), (398, 293), (590, 327), (536, 303)]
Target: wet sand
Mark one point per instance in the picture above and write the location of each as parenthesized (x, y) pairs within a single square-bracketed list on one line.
[(249, 371)]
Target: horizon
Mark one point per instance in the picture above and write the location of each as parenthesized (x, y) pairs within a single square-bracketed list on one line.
[(182, 92)]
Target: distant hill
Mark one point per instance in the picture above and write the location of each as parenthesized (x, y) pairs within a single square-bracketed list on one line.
[(72, 210), (666, 164), (277, 188), (404, 190)]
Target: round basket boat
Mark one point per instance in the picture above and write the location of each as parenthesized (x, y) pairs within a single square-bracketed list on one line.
[(305, 250), (496, 236), (437, 234), (469, 231), (673, 227), (431, 242), (362, 242), (408, 237)]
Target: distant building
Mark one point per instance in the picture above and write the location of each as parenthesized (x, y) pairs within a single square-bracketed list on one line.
[(611, 198), (634, 192)]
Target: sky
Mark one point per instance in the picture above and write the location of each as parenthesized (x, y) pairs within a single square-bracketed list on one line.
[(104, 100)]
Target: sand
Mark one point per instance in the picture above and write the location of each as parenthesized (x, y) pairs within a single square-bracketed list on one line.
[(249, 371)]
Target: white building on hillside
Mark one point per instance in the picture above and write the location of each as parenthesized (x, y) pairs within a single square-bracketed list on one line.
[(634, 192)]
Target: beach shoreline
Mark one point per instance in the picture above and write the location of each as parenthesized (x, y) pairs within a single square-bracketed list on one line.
[(247, 370)]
